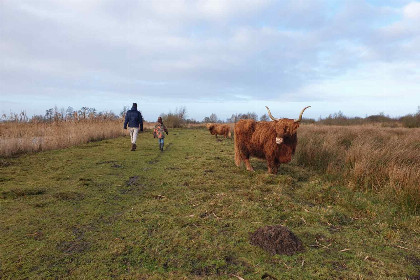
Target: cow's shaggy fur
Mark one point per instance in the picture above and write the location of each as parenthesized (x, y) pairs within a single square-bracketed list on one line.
[(219, 129), (258, 139)]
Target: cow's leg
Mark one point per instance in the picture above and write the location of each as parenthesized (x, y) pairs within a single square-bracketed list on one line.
[(248, 165), (272, 166), (273, 170)]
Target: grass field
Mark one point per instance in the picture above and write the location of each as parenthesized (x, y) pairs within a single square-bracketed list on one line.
[(99, 211)]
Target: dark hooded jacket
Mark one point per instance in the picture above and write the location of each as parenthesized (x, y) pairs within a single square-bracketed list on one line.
[(133, 118)]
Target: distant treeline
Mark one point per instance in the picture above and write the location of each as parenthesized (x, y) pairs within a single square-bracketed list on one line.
[(179, 117), (409, 120), (58, 115)]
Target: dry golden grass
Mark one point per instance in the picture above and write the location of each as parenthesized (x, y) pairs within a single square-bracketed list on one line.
[(385, 160), (22, 137)]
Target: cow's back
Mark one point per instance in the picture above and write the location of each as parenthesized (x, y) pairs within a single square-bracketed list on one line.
[(243, 133)]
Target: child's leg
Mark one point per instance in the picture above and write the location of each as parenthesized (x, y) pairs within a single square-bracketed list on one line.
[(161, 144)]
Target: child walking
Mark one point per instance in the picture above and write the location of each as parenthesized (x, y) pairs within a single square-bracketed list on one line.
[(159, 132)]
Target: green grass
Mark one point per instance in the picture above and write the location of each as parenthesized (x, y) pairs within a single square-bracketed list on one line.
[(99, 211)]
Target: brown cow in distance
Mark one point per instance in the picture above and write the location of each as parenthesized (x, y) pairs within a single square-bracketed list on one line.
[(273, 141), (219, 129)]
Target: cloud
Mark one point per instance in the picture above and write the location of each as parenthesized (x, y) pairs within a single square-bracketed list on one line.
[(202, 50)]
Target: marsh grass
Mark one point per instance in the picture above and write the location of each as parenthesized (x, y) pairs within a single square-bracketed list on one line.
[(187, 213), (366, 158), (26, 137)]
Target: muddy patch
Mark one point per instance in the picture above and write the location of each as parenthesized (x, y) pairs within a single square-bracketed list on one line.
[(5, 179), (133, 184), (153, 161), (276, 240), (86, 181), (114, 164), (172, 168), (69, 196), (73, 247), (133, 181), (415, 261), (106, 162), (267, 276), (76, 245), (37, 235), (4, 163), (21, 192)]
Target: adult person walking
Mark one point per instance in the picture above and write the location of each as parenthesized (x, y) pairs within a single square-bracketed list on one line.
[(134, 120)]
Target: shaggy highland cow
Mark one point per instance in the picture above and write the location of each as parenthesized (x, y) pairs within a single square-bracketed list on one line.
[(273, 141), (219, 129)]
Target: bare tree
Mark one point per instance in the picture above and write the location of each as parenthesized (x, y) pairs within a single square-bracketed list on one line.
[(264, 118), (212, 119)]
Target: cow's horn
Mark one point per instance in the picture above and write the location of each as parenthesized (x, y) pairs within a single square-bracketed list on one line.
[(301, 113), (270, 115)]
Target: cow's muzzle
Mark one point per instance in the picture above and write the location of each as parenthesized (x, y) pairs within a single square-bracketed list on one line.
[(279, 140)]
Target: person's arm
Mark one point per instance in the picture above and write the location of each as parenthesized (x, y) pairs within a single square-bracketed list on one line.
[(126, 120), (166, 130), (141, 122)]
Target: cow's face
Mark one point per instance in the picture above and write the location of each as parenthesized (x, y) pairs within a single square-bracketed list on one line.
[(211, 127), (285, 128)]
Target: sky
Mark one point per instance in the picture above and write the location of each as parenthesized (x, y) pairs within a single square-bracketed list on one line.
[(220, 56)]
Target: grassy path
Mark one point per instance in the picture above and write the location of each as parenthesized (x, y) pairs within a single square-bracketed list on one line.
[(99, 211)]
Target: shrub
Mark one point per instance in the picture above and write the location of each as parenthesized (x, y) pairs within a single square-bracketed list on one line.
[(175, 120), (411, 121)]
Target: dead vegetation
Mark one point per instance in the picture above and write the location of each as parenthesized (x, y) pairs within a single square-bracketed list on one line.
[(27, 137), (385, 160)]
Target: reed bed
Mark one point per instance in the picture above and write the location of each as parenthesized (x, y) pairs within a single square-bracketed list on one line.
[(24, 137), (385, 160)]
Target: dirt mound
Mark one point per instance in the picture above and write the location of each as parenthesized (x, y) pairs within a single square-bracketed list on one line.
[(276, 240)]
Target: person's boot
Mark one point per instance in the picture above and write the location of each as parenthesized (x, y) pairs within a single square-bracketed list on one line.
[(133, 147)]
